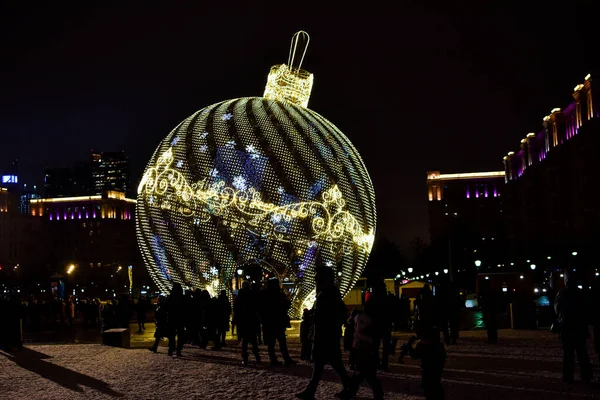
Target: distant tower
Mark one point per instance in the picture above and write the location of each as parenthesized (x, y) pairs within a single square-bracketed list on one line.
[(110, 171)]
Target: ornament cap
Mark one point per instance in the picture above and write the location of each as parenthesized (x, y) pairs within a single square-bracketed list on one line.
[(289, 83)]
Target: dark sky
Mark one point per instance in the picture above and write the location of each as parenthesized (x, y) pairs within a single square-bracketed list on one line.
[(451, 85)]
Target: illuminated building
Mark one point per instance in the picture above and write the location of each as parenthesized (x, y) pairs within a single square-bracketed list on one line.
[(466, 217), (257, 180), (110, 171), (10, 175), (95, 233), (104, 171), (551, 189), (17, 234)]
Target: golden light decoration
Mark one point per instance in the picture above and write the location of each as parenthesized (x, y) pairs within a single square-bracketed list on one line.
[(261, 181), (288, 83)]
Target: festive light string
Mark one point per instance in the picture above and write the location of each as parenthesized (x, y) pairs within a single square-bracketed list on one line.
[(330, 222)]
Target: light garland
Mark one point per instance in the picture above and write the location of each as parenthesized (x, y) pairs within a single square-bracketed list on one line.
[(245, 207)]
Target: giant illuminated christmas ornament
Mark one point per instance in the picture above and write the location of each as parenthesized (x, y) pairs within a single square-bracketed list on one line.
[(257, 181)]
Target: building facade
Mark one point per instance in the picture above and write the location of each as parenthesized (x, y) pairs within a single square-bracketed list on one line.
[(552, 207), (466, 219), (95, 234)]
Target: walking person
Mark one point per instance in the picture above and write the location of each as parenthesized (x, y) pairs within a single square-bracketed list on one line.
[(330, 313), (570, 310), (175, 317), (162, 325), (70, 310), (306, 335), (223, 317), (489, 307), (455, 305), (365, 353), (140, 310), (349, 328), (433, 358), (246, 316), (380, 307), (274, 310)]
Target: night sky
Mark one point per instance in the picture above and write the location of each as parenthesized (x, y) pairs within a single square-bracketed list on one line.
[(415, 87)]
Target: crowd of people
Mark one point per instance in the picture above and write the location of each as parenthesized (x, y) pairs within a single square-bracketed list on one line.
[(261, 316), (190, 317)]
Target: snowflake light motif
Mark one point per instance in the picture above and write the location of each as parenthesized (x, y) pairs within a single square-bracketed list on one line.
[(280, 190), (214, 173), (226, 117), (203, 135), (276, 218), (230, 144), (205, 275), (151, 200), (179, 163), (250, 149), (213, 270), (239, 182), (175, 141), (203, 148)]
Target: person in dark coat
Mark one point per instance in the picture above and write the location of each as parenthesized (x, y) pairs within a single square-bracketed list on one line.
[(162, 324), (330, 313), (365, 352), (140, 310), (442, 312), (570, 310), (305, 335), (204, 312), (223, 317), (274, 317), (380, 310), (489, 307), (246, 316), (455, 306), (349, 328), (255, 290), (175, 315), (11, 324)]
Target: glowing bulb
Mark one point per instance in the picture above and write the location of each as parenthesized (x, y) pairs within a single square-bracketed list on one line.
[(478, 263), (532, 266), (445, 271), (410, 270)]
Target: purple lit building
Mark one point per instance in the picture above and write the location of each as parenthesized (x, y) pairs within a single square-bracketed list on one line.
[(551, 191), (95, 233)]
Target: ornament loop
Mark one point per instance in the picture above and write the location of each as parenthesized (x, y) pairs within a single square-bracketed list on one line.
[(293, 47)]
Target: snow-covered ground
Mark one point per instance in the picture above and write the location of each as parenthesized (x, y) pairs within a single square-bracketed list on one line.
[(525, 365)]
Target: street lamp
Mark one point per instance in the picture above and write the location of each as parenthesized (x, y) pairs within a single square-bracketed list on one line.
[(70, 269), (478, 263), (410, 270), (240, 272), (445, 271), (574, 253), (532, 266)]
